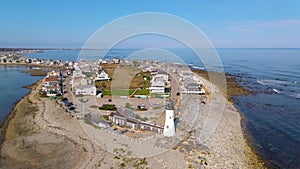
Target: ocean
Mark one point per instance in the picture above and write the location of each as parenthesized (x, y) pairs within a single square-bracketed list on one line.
[(271, 115)]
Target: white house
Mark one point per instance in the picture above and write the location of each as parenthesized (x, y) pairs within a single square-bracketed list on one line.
[(158, 83), (157, 87), (190, 86), (102, 76), (53, 73), (85, 90), (116, 60)]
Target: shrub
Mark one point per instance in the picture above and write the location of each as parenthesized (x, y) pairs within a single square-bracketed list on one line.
[(108, 107)]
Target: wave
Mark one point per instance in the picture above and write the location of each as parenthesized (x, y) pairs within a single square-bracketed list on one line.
[(272, 82), (289, 89), (275, 90)]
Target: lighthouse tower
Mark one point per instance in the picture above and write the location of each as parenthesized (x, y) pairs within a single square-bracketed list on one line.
[(169, 128)]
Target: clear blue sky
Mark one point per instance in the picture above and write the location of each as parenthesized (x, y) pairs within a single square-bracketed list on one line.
[(227, 23)]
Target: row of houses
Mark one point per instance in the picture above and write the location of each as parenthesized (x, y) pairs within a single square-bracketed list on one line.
[(84, 76), (20, 58), (53, 84), (81, 84)]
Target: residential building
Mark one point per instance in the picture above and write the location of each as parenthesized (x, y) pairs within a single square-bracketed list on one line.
[(159, 82), (102, 76), (126, 118), (190, 86), (85, 90)]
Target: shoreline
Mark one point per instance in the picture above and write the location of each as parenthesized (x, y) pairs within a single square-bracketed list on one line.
[(31, 65), (232, 83), (4, 125), (248, 138)]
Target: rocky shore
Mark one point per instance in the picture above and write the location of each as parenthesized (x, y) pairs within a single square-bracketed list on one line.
[(38, 133)]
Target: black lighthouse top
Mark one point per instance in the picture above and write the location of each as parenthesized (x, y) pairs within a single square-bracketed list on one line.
[(169, 105)]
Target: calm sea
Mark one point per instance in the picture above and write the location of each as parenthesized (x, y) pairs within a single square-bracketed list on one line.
[(272, 115), (11, 87)]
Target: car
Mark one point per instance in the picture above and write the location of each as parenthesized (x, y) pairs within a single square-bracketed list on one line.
[(141, 107)]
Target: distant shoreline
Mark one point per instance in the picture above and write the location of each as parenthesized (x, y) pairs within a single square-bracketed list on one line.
[(249, 48), (30, 65)]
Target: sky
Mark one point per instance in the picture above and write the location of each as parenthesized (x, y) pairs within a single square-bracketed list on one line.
[(226, 23)]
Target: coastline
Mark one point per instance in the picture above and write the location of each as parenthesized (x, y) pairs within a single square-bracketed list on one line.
[(30, 141), (235, 89), (4, 126), (30, 65), (11, 115)]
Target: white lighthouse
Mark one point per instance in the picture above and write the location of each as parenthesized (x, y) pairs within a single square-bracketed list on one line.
[(169, 128)]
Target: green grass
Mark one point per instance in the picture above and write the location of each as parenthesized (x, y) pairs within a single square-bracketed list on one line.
[(121, 92), (125, 92), (143, 92), (108, 107)]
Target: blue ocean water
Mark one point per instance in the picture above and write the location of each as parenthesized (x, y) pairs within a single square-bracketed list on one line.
[(11, 87), (271, 116)]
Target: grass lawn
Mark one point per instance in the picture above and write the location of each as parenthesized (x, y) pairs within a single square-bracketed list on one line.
[(125, 92), (125, 77), (121, 92), (142, 92)]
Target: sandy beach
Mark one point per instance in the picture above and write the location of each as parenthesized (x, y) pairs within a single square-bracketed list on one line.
[(38, 133)]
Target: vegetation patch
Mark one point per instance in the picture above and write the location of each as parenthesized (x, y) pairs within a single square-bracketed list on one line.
[(121, 92), (123, 155), (108, 107)]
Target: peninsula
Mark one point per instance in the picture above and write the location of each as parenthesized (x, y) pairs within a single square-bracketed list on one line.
[(82, 114)]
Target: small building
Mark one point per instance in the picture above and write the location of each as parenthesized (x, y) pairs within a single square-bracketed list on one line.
[(52, 86), (52, 91), (85, 90), (157, 87), (192, 87), (53, 73), (127, 118), (51, 81), (116, 60), (159, 83), (102, 76)]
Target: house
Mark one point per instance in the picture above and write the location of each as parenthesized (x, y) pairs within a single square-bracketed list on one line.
[(52, 86), (52, 90), (78, 81), (157, 87), (186, 75), (85, 90), (116, 60), (51, 81), (102, 76), (159, 83), (53, 73), (190, 86)]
